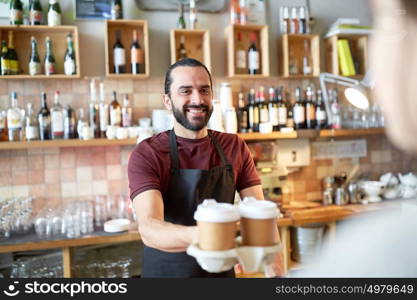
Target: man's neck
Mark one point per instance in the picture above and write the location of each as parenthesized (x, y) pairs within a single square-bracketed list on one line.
[(189, 134)]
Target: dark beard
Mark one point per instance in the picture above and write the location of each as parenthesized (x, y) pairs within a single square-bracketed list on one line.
[(180, 116)]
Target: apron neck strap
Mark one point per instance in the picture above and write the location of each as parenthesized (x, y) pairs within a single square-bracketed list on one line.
[(174, 150)]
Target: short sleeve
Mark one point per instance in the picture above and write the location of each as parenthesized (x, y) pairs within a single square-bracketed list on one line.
[(247, 175), (142, 170)]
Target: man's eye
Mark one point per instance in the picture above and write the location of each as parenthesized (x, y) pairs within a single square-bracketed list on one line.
[(184, 92), (205, 91)]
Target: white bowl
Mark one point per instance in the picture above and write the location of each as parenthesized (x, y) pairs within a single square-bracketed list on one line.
[(117, 225), (372, 188)]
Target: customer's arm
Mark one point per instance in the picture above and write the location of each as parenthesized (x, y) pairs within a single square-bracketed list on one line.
[(154, 231)]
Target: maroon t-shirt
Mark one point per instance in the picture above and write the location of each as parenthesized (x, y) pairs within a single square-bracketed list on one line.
[(150, 162)]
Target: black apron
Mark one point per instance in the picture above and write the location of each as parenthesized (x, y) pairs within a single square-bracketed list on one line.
[(186, 190)]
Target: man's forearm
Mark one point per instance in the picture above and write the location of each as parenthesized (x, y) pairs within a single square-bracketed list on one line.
[(166, 236)]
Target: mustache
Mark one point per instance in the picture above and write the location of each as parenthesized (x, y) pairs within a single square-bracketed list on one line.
[(201, 106)]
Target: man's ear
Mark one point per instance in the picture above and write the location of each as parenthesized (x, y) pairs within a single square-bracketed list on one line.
[(167, 102)]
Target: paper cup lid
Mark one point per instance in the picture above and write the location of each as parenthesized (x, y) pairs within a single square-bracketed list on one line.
[(258, 209), (212, 211)]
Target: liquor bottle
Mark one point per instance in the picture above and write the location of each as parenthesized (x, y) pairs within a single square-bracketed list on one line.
[(285, 26), (31, 124), (302, 22), (234, 12), (294, 28), (34, 61), (182, 52), (12, 56), (263, 107), (69, 123), (104, 112), (298, 111), (181, 20), (253, 112), (241, 65), (273, 109), (16, 12), (44, 119), (115, 111), (82, 123), (57, 119), (70, 67), (243, 12), (3, 126), (126, 112), (116, 9), (49, 61), (290, 118), (242, 115), (136, 55), (253, 56), (321, 115), (119, 55), (5, 63), (292, 63), (35, 12), (54, 13), (336, 121), (193, 15), (94, 118), (14, 120), (310, 109), (282, 109), (307, 61)]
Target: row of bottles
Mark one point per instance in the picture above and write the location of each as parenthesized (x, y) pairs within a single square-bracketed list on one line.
[(181, 24), (136, 55), (9, 61), (247, 60), (61, 122), (308, 111), (297, 22), (35, 13)]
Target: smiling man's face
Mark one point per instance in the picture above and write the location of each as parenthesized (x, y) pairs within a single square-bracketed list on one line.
[(190, 97)]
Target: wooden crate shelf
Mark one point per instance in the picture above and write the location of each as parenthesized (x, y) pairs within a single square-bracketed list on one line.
[(22, 43), (359, 49), (197, 45), (262, 44), (295, 43), (126, 28)]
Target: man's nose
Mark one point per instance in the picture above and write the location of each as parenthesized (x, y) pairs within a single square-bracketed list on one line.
[(196, 97)]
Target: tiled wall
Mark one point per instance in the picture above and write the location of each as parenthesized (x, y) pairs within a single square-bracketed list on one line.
[(58, 174)]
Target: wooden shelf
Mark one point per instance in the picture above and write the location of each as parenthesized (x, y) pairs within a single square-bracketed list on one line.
[(231, 33), (65, 143), (126, 28), (351, 132), (83, 241), (253, 136), (197, 45), (295, 43), (22, 43)]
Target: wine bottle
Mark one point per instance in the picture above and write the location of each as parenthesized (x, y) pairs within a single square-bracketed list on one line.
[(104, 112), (44, 119), (35, 12), (54, 13), (70, 67), (136, 54), (34, 61), (69, 123), (273, 109), (5, 63), (94, 120), (298, 111), (181, 20), (119, 55), (115, 112), (263, 107), (126, 112), (12, 56), (253, 56), (242, 115), (310, 109), (321, 115), (49, 61), (57, 118), (253, 112), (193, 15), (241, 65), (182, 52), (16, 12), (307, 61), (282, 108), (116, 9), (14, 120)]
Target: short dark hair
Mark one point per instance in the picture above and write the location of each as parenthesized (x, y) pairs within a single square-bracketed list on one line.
[(186, 62)]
